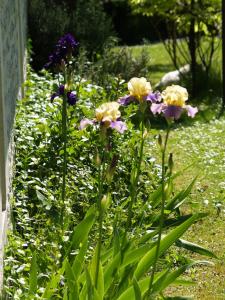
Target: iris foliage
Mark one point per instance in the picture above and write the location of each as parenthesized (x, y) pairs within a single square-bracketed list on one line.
[(121, 220)]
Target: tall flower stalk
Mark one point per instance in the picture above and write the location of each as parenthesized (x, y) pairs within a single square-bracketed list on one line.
[(107, 117), (101, 173), (134, 181), (60, 61), (162, 213), (174, 103), (140, 92), (64, 166)]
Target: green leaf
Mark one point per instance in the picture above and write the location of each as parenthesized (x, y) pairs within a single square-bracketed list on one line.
[(81, 231), (100, 279), (181, 196), (135, 254), (179, 298), (155, 197), (71, 281), (53, 283), (147, 261), (137, 289), (116, 242), (148, 236), (110, 270), (90, 286), (65, 296), (168, 278), (33, 275), (129, 294), (194, 248), (79, 259), (185, 282)]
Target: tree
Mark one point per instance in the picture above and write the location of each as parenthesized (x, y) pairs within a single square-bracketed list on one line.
[(189, 22), (223, 53)]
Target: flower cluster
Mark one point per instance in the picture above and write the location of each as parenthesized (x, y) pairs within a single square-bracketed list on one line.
[(174, 103), (63, 50), (108, 116), (171, 102), (62, 90)]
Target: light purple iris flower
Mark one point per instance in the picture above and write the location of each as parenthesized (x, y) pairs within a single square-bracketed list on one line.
[(151, 97), (172, 111), (117, 125)]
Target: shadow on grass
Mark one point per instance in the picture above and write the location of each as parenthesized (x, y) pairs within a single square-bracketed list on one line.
[(165, 68)]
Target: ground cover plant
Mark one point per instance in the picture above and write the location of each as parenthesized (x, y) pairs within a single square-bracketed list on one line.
[(87, 254)]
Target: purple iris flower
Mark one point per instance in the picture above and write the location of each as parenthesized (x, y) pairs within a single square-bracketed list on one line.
[(64, 47), (71, 98), (174, 103), (66, 44), (71, 95), (60, 92), (173, 112)]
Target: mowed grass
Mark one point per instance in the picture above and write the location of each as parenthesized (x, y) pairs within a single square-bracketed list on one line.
[(201, 143), (160, 63)]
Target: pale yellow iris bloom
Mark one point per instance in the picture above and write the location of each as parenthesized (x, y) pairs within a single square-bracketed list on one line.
[(139, 87), (107, 112), (175, 95)]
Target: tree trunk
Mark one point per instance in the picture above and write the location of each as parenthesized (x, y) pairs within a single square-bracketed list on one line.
[(192, 48), (223, 55)]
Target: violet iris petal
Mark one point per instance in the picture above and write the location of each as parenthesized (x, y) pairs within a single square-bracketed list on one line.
[(61, 89), (191, 110), (85, 122), (154, 97), (172, 111), (119, 126), (126, 100), (157, 108), (53, 96)]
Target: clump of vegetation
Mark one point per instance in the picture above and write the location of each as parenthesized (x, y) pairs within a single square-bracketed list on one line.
[(94, 215)]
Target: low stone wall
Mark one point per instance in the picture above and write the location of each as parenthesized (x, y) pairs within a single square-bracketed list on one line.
[(13, 22)]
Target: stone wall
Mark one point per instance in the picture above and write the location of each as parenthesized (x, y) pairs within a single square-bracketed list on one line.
[(13, 20)]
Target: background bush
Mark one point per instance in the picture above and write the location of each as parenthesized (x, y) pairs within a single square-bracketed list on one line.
[(48, 20)]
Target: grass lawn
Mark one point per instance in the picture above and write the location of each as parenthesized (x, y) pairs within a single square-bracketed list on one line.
[(202, 145)]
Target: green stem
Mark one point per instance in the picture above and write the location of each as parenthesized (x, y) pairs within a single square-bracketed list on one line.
[(162, 216), (101, 171), (64, 167), (134, 184)]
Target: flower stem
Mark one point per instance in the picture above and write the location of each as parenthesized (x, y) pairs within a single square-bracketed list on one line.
[(133, 187), (162, 216), (64, 167), (101, 170)]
